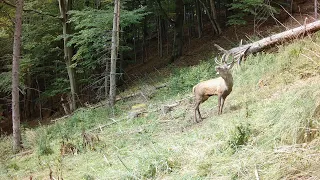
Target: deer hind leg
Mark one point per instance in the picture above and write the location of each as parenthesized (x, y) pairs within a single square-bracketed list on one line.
[(196, 110)]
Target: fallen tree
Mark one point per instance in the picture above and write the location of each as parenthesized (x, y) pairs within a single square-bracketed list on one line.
[(279, 38)]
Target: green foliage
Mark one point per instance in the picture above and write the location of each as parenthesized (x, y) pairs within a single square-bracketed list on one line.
[(6, 148), (88, 177), (92, 39), (183, 79), (160, 166), (5, 82), (42, 53), (220, 147), (240, 136), (259, 9), (94, 32), (43, 143)]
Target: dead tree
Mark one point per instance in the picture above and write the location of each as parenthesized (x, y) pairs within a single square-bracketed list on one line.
[(279, 38)]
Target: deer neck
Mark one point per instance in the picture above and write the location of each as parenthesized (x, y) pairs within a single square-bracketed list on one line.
[(229, 80)]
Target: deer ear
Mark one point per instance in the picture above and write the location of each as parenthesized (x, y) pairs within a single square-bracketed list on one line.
[(217, 67)]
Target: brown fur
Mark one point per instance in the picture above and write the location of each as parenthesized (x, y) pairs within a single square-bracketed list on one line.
[(221, 86)]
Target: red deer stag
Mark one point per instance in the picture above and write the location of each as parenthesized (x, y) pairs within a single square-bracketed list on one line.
[(221, 86)]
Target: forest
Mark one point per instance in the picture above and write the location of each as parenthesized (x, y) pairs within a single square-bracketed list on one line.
[(102, 89), (164, 28)]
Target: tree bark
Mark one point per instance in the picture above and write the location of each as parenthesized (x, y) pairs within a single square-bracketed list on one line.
[(214, 16), (144, 40), (65, 6), (178, 31), (316, 9), (107, 78), (15, 77), (114, 52), (198, 11), (28, 95), (275, 39), (160, 36), (214, 27)]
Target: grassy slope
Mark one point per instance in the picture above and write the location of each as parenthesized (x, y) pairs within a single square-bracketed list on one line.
[(262, 129)]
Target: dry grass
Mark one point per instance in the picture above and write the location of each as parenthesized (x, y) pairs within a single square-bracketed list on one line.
[(263, 131)]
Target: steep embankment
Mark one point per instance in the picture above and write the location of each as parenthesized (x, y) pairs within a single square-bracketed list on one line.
[(269, 128)]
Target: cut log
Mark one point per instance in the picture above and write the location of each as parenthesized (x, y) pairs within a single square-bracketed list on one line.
[(274, 39)]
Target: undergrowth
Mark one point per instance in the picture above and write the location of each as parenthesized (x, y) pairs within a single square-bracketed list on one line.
[(262, 131)]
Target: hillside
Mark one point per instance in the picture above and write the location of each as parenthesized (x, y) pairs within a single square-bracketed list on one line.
[(269, 128)]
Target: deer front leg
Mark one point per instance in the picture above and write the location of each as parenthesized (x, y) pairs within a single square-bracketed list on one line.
[(219, 103), (222, 103)]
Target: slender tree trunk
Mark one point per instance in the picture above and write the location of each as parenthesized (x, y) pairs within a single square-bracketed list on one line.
[(215, 29), (114, 52), (28, 96), (39, 97), (135, 44), (107, 78), (198, 11), (316, 9), (144, 37), (15, 77), (160, 36), (178, 31), (214, 16), (65, 6)]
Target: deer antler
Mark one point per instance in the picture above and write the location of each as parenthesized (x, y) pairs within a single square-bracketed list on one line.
[(223, 59), (242, 54), (237, 56)]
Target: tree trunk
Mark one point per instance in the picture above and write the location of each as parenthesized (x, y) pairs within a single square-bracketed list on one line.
[(316, 9), (28, 95), (144, 40), (15, 77), (144, 36), (214, 16), (198, 11), (107, 78), (114, 52), (178, 31), (160, 36), (65, 6), (276, 39), (214, 27)]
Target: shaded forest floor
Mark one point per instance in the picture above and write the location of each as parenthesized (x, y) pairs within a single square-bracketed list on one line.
[(198, 49)]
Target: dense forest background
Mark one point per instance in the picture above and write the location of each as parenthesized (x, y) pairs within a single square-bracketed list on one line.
[(158, 31)]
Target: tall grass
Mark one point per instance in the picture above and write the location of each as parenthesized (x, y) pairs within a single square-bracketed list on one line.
[(262, 129)]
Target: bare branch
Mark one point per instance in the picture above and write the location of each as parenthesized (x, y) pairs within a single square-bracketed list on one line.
[(29, 10)]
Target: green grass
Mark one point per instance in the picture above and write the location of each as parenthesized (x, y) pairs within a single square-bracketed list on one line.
[(262, 129)]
